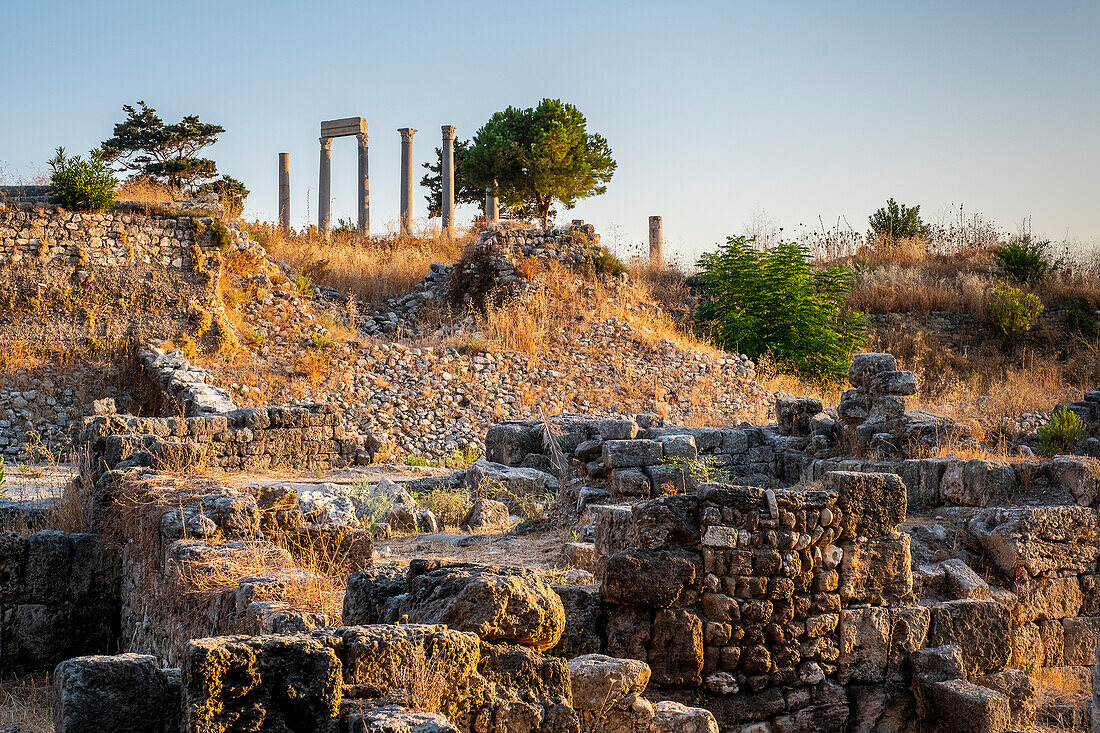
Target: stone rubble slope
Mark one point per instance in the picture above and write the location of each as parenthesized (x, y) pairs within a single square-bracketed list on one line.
[(431, 397)]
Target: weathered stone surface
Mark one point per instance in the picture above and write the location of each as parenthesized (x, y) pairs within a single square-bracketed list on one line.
[(508, 443), (370, 596), (672, 717), (676, 650), (977, 482), (981, 628), (483, 475), (487, 514), (656, 579), (793, 414), (631, 482), (582, 610), (366, 718), (667, 523), (1032, 540), (497, 604), (960, 581), (631, 453), (581, 555), (1080, 475), (289, 683), (865, 366), (963, 706), (878, 708), (537, 676), (628, 630), (127, 693), (601, 683), (614, 528), (1080, 639), (1020, 691), (617, 428), (871, 504), (380, 659), (875, 641), (877, 571), (1043, 598)]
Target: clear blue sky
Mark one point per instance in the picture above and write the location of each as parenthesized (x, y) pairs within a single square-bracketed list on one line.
[(715, 111)]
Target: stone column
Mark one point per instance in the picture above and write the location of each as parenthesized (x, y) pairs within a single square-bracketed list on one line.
[(364, 186), (449, 180), (406, 179), (656, 241), (324, 184), (284, 191), (492, 208)]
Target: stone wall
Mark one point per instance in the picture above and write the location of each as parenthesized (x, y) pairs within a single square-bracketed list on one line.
[(59, 597), (76, 289)]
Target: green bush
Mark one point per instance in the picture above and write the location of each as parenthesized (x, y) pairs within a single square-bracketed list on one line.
[(1013, 311), (774, 302), (605, 263), (1080, 318), (1063, 430), (896, 221), (1025, 260), (82, 185)]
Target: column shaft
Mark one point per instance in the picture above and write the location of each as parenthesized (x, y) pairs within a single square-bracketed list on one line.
[(492, 207), (284, 191), (324, 183), (448, 180), (364, 186), (656, 241), (406, 179)]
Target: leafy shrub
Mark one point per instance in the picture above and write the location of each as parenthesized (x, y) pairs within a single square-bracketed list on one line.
[(1063, 430), (605, 263), (82, 185), (231, 194), (1025, 260), (1013, 311), (772, 301), (1080, 318), (897, 221)]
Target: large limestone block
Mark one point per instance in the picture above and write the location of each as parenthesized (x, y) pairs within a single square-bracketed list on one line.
[(1023, 541), (533, 675), (667, 523), (981, 628), (1078, 474), (287, 683), (370, 596), (876, 708), (877, 571), (602, 683), (654, 579), (1020, 691), (631, 453), (977, 482), (1046, 598), (676, 650), (865, 367), (672, 717), (382, 658), (1080, 639), (875, 641), (963, 706), (509, 443), (871, 504), (628, 631), (127, 693), (614, 528), (483, 475), (582, 610), (363, 717), (498, 604)]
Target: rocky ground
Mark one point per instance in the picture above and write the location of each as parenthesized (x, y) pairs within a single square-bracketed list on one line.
[(431, 382)]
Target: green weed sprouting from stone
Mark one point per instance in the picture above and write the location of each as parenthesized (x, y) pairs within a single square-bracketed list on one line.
[(704, 469), (321, 341), (303, 282), (1063, 430)]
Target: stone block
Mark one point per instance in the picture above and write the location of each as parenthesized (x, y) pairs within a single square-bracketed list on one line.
[(1079, 475), (628, 630), (977, 482), (371, 595), (510, 442), (498, 604), (877, 571), (679, 447), (672, 717), (630, 482), (794, 414), (963, 706), (676, 649), (866, 366), (617, 428), (871, 504), (1046, 598), (376, 659), (631, 453), (582, 614), (653, 579), (981, 628), (389, 718), (668, 479), (1020, 691), (603, 683), (960, 581), (1023, 541), (581, 555), (667, 523), (126, 693), (1081, 634), (614, 528), (486, 514)]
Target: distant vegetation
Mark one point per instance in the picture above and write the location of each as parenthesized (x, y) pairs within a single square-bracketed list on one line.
[(774, 302), (82, 185), (896, 221)]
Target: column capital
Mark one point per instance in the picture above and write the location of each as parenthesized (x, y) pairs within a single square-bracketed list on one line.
[(406, 133), (326, 143), (363, 139), (448, 132)]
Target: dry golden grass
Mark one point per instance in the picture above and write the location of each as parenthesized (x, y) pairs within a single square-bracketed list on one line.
[(1057, 687), (25, 701), (373, 269), (146, 191)]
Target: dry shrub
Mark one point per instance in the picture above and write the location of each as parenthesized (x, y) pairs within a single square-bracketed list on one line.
[(448, 505), (147, 191), (1061, 686), (419, 683), (374, 269), (25, 701)]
